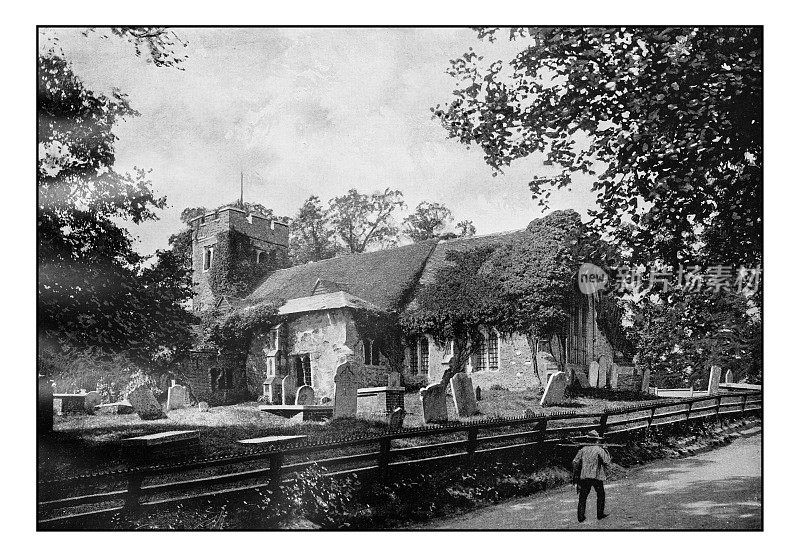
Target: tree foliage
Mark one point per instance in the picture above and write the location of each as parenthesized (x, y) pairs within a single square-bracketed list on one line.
[(668, 119), (364, 220), (93, 288), (312, 237), (679, 341), (427, 221)]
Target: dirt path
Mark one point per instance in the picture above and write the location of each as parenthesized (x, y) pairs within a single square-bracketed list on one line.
[(720, 489)]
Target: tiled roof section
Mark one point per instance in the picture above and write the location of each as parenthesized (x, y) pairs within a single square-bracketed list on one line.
[(384, 278), (437, 259)]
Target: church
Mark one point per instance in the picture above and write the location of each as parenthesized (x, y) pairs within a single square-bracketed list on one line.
[(321, 302)]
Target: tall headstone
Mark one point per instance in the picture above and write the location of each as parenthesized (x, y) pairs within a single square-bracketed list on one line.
[(594, 374), (177, 397), (288, 386), (463, 395), (477, 393), (305, 396), (44, 409), (202, 406), (554, 393), (581, 378), (729, 376), (434, 403), (393, 379), (92, 400), (345, 397), (713, 380), (396, 418), (145, 404), (646, 380), (605, 370), (614, 376)]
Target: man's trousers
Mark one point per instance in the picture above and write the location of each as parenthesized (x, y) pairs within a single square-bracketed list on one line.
[(584, 487)]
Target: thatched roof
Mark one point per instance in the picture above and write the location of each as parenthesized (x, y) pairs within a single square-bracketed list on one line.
[(384, 278)]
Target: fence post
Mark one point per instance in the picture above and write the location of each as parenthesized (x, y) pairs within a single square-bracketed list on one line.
[(744, 402), (472, 444), (134, 490), (603, 424), (383, 458), (719, 404), (542, 435), (650, 419), (275, 465), (689, 411)]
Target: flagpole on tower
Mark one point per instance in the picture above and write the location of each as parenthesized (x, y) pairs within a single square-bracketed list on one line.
[(241, 188)]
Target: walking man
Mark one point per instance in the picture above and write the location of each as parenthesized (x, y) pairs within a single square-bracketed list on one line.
[(589, 469)]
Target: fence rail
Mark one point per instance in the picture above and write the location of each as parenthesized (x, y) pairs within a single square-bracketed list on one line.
[(63, 500)]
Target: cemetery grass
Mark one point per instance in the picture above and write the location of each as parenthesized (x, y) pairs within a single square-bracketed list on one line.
[(90, 443)]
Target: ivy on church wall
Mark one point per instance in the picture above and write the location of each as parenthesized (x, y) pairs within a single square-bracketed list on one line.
[(234, 270)]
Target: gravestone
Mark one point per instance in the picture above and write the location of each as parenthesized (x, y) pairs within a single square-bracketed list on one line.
[(646, 380), (477, 393), (44, 408), (554, 393), (434, 403), (122, 407), (581, 378), (145, 404), (463, 395), (713, 380), (614, 376), (729, 376), (345, 397), (393, 379), (288, 386), (202, 406), (396, 419), (605, 370), (594, 374), (177, 397), (305, 396), (92, 400)]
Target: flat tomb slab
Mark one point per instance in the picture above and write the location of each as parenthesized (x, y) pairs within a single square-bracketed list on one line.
[(372, 391), (309, 411), (271, 439), (163, 438), (740, 386)]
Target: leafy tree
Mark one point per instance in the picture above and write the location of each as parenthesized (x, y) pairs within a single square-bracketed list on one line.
[(157, 45), (427, 221), (669, 120), (679, 341), (465, 228), (94, 291), (361, 220), (312, 237)]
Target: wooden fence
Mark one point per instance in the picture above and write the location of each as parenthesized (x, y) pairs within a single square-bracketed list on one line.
[(63, 501)]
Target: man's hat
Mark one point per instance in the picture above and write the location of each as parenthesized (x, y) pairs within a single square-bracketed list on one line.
[(592, 436)]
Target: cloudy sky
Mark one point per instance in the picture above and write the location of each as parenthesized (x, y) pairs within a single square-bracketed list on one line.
[(304, 112)]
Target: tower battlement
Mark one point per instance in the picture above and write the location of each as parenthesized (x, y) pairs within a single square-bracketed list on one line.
[(211, 233)]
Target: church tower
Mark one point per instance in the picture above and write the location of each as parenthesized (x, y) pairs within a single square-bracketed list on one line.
[(231, 249)]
